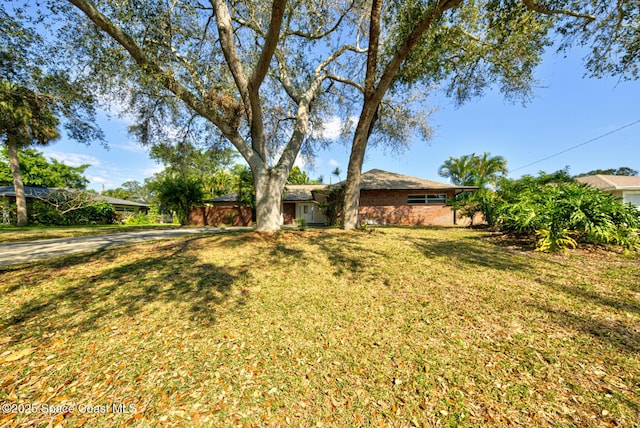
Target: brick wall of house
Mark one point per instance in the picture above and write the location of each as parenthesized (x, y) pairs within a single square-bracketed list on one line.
[(391, 207), (213, 216)]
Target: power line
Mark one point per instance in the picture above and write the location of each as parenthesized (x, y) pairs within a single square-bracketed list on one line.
[(578, 145)]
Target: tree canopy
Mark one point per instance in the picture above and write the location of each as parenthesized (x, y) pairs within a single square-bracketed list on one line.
[(623, 170), (264, 75), (298, 176), (39, 171), (474, 170), (37, 95), (467, 46)]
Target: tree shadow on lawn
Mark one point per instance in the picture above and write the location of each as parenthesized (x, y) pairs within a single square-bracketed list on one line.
[(127, 290), (593, 297), (613, 332), (347, 253), (473, 252)]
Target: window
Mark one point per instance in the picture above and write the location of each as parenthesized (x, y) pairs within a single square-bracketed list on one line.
[(435, 199)]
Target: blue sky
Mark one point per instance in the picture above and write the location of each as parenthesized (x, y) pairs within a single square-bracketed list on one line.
[(567, 110)]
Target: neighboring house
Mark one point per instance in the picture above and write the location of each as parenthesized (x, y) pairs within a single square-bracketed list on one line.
[(31, 192), (621, 186), (385, 198)]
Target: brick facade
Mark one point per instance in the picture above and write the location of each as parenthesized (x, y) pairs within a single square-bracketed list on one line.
[(391, 207), (213, 216)]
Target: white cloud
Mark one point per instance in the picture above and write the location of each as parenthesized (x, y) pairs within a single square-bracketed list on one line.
[(148, 172), (334, 163), (73, 159), (130, 147), (300, 162), (97, 179), (334, 127)]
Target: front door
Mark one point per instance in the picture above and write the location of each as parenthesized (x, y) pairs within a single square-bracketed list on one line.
[(307, 212)]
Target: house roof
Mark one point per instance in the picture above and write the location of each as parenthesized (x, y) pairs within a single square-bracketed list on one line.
[(231, 197), (116, 201), (301, 192), (43, 193), (378, 179), (375, 179), (611, 182)]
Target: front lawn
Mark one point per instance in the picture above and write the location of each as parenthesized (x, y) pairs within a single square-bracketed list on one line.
[(33, 233), (400, 327)]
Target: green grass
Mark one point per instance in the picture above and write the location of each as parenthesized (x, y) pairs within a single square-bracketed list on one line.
[(401, 327), (33, 233)]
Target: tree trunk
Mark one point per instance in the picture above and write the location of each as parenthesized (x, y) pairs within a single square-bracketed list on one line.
[(21, 201), (356, 159), (269, 185)]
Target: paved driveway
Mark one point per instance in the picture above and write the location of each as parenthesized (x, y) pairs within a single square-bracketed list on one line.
[(21, 252)]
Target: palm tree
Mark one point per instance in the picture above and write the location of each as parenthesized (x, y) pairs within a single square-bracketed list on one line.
[(25, 119), (461, 171), (489, 169), (473, 170), (337, 173)]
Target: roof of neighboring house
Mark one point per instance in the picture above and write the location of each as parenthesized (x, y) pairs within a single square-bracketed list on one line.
[(44, 192), (29, 191), (116, 201), (611, 182)]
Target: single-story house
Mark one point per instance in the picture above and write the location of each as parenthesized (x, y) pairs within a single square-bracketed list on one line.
[(385, 198), (31, 192), (621, 186)]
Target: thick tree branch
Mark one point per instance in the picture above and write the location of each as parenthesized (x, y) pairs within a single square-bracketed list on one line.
[(225, 30), (536, 7), (346, 81), (372, 56), (285, 79), (270, 44), (167, 80), (318, 34), (405, 48)]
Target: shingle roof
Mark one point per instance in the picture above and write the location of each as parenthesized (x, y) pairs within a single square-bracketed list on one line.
[(611, 182), (231, 197), (301, 192), (116, 201), (377, 179)]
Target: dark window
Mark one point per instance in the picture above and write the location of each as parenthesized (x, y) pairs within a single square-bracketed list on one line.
[(435, 199)]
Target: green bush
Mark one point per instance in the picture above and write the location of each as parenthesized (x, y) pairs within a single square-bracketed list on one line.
[(98, 212), (139, 218), (40, 212), (564, 214), (178, 194), (302, 223)]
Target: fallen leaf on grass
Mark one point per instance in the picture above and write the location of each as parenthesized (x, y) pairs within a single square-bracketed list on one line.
[(17, 355)]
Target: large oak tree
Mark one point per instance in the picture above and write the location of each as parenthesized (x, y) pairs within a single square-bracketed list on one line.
[(466, 45), (250, 73)]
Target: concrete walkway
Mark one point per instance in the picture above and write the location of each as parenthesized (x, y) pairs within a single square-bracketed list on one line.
[(22, 252)]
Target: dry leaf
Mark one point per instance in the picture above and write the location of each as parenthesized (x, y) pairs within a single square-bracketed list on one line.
[(17, 355)]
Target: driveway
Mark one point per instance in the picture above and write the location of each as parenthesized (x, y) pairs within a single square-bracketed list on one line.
[(22, 252)]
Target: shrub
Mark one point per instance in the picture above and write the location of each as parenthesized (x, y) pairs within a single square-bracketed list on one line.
[(139, 218), (178, 194), (562, 215), (97, 212), (302, 223)]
